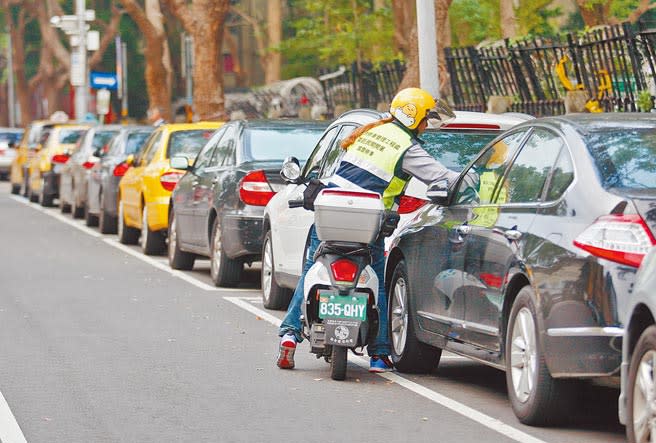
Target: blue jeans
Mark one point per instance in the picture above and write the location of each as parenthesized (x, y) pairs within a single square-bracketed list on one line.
[(292, 321)]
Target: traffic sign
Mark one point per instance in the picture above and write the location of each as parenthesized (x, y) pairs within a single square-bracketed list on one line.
[(104, 80)]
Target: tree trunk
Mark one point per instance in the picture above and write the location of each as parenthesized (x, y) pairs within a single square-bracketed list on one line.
[(156, 73), (204, 21), (594, 14), (17, 31), (404, 21), (508, 18), (274, 31)]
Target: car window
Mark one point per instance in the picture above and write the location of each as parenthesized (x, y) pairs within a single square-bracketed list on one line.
[(224, 155), (624, 157), (70, 136), (335, 153), (206, 154), (314, 161), (489, 167), (135, 141), (561, 176), (528, 174), (100, 139), (280, 143), (151, 149), (188, 143), (455, 149)]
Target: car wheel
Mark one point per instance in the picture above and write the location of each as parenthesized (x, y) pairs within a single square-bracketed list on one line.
[(106, 223), (536, 397), (89, 218), (64, 207), (408, 353), (641, 408), (77, 210), (15, 189), (178, 259), (273, 296), (46, 199), (151, 242), (223, 270), (126, 234), (34, 197)]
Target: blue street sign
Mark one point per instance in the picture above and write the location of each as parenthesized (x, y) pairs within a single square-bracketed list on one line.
[(103, 80)]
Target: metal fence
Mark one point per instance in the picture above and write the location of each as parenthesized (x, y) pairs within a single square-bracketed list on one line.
[(613, 65), (360, 86)]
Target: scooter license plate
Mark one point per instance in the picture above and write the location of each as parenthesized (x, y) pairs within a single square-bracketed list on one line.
[(343, 307)]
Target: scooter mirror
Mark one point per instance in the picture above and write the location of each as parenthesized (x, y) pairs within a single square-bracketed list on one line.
[(291, 170)]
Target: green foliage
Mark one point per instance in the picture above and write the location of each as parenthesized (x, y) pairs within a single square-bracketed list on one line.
[(473, 21), (645, 101), (533, 17), (333, 32)]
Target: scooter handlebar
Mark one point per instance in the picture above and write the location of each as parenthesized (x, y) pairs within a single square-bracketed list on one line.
[(295, 203)]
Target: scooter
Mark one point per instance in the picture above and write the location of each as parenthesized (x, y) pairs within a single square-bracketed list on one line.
[(341, 288)]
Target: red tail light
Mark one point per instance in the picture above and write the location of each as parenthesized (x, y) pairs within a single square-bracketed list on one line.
[(170, 179), (623, 239), (60, 158), (120, 169), (409, 204), (88, 165), (254, 189), (344, 270)]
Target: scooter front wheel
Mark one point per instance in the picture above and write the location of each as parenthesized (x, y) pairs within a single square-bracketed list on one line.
[(338, 363)]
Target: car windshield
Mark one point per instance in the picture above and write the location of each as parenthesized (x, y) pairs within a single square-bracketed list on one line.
[(188, 143), (455, 149), (101, 138), (135, 142), (624, 157), (70, 136), (280, 143), (11, 137)]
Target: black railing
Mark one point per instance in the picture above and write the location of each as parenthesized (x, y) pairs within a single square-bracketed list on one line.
[(613, 65)]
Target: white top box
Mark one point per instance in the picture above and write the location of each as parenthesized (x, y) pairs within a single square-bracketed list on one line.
[(348, 216)]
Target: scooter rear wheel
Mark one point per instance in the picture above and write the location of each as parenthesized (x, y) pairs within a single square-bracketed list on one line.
[(338, 363)]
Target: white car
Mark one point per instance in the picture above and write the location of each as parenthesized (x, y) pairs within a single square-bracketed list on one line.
[(286, 230)]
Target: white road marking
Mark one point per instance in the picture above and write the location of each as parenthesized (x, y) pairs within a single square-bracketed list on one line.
[(455, 406), (247, 303), (10, 432)]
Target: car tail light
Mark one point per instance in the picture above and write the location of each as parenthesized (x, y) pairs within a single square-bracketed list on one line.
[(623, 239), (88, 164), (350, 193), (254, 189), (120, 169), (344, 270), (170, 179), (409, 204), (482, 126), (60, 158)]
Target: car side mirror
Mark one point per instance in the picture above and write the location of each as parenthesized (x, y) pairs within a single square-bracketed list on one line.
[(291, 170), (130, 160), (179, 162), (438, 192)]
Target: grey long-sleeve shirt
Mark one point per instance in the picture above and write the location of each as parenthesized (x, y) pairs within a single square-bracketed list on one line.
[(420, 164)]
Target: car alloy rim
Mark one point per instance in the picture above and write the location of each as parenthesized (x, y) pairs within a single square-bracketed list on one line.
[(267, 269), (644, 399), (144, 226), (216, 252), (120, 219), (523, 355), (173, 238), (399, 320)]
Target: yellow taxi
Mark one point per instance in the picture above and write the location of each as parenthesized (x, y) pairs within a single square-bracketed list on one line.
[(145, 189), (25, 151), (44, 168)]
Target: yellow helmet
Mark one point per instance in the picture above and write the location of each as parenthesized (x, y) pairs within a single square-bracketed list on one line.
[(499, 153), (411, 105)]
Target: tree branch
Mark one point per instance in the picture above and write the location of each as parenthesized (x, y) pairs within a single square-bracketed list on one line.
[(111, 30), (182, 11)]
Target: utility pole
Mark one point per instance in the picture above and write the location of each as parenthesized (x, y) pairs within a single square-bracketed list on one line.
[(427, 44), (11, 93)]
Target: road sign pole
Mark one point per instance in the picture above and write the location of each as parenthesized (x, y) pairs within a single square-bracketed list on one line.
[(81, 89), (124, 84), (10, 84)]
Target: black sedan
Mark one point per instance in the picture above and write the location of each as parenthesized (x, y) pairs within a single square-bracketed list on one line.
[(102, 186), (529, 271), (217, 208)]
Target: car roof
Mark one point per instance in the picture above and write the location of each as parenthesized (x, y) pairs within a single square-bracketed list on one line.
[(284, 123), (468, 120), (173, 127), (592, 122)]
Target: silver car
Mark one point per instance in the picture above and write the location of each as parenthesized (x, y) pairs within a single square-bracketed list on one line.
[(637, 402)]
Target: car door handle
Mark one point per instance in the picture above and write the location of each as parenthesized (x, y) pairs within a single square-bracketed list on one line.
[(463, 229), (512, 234)]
